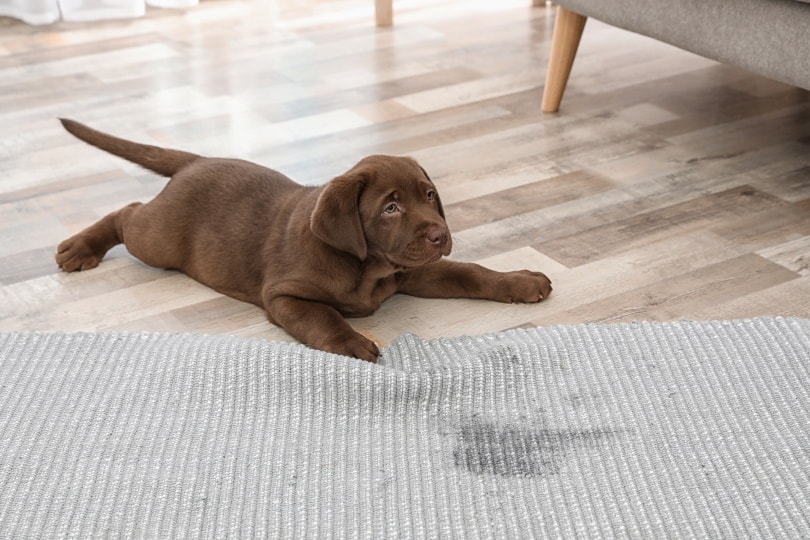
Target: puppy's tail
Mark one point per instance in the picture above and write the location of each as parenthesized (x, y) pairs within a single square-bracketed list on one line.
[(160, 160)]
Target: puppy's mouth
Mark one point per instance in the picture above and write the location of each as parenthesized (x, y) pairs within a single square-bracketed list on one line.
[(405, 263)]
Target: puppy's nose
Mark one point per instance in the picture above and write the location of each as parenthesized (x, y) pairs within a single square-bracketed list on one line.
[(437, 236)]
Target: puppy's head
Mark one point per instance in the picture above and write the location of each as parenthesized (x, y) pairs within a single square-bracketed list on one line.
[(387, 207)]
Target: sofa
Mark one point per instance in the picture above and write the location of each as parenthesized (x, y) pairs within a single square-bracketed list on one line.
[(768, 37)]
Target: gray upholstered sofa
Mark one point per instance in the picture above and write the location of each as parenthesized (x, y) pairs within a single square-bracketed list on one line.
[(768, 37)]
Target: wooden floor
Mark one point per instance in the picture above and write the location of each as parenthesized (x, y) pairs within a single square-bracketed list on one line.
[(668, 187)]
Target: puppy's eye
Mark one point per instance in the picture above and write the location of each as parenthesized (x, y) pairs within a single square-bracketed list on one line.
[(391, 208), (431, 195)]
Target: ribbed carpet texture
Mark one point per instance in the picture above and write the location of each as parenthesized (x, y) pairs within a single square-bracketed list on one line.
[(647, 430)]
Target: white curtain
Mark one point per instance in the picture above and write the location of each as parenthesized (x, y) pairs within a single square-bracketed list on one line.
[(49, 11)]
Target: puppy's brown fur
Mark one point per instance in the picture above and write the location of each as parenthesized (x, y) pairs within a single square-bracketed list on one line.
[(309, 256)]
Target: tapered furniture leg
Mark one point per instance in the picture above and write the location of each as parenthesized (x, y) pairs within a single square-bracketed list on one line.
[(384, 12), (567, 33)]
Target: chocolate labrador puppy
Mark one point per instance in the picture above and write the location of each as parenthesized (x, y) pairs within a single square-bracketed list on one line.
[(309, 256)]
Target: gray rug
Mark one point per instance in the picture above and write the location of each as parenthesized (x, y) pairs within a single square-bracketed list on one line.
[(641, 430)]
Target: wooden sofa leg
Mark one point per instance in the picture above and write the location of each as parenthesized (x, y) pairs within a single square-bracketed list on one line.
[(567, 33), (384, 12)]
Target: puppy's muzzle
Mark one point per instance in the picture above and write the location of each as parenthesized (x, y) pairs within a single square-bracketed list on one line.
[(437, 236)]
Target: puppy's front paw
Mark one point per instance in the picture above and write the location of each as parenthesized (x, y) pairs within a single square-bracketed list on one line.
[(76, 253), (354, 345), (524, 286)]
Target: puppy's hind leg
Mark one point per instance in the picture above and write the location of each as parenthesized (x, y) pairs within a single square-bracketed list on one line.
[(85, 250)]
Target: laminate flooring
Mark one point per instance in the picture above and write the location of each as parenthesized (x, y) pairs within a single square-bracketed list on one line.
[(667, 187)]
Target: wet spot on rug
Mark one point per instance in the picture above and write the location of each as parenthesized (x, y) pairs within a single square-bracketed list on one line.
[(520, 450), (501, 356)]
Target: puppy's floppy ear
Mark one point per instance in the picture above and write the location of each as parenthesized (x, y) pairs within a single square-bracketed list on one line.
[(438, 200), (336, 217)]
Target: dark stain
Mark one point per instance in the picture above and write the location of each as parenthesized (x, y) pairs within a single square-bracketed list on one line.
[(501, 356), (520, 450), (713, 158)]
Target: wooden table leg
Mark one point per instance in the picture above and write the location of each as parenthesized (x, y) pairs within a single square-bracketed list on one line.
[(384, 12)]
